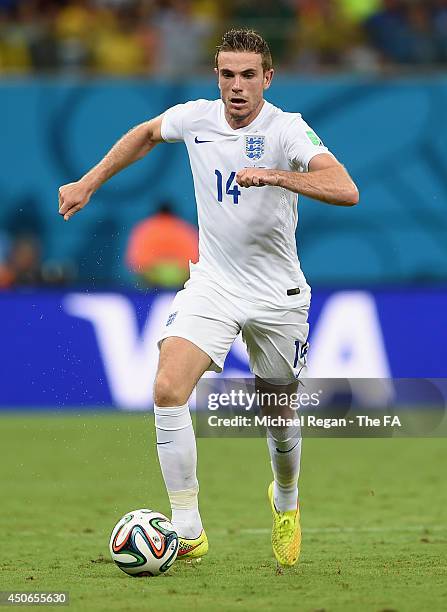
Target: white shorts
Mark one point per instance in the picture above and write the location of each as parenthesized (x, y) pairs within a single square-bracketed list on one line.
[(211, 318)]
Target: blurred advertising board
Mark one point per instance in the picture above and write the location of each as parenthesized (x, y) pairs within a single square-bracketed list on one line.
[(82, 349)]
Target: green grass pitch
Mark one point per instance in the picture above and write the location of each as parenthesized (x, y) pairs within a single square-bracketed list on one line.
[(374, 517)]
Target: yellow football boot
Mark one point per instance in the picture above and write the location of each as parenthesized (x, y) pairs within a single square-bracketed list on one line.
[(286, 533), (194, 548)]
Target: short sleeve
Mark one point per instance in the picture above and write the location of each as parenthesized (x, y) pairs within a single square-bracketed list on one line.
[(300, 142), (175, 120)]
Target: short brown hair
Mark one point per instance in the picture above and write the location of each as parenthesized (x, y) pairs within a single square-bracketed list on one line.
[(243, 39)]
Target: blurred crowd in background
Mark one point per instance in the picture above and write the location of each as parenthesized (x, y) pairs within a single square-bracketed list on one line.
[(147, 37), (158, 251)]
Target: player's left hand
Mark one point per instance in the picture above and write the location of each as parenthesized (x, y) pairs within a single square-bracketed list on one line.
[(257, 177)]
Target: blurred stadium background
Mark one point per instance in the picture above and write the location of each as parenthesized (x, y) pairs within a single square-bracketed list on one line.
[(78, 320)]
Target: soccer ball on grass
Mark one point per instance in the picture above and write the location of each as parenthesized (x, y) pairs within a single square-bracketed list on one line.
[(144, 543)]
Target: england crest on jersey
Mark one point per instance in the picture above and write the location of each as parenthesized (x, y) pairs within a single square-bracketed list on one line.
[(254, 147)]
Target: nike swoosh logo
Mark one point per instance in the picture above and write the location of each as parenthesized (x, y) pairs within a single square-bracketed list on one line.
[(197, 141), (160, 443), (290, 449)]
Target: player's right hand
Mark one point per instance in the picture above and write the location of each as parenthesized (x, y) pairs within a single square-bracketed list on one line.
[(72, 198)]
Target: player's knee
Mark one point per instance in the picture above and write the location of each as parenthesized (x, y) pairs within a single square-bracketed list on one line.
[(167, 392)]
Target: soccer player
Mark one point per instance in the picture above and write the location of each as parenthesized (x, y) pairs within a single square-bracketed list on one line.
[(249, 160)]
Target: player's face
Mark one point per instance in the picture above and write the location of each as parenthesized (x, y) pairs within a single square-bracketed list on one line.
[(242, 81)]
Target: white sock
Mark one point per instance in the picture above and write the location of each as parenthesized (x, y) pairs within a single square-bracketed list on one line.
[(176, 446), (284, 445)]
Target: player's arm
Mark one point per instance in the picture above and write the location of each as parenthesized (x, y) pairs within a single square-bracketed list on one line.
[(327, 181), (132, 146)]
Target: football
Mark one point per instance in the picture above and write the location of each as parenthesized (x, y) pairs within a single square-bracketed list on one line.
[(144, 543)]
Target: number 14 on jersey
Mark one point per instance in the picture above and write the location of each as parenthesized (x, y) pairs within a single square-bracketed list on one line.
[(229, 190)]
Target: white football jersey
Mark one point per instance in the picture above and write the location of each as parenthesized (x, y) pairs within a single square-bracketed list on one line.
[(246, 235)]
